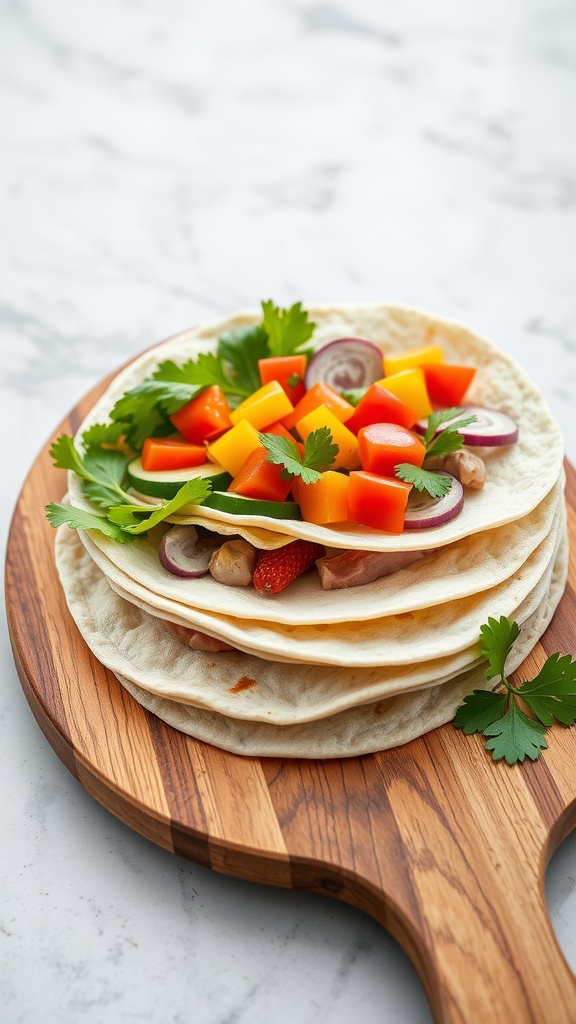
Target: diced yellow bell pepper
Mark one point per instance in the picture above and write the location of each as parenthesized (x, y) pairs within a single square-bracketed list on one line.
[(326, 501), (410, 387), (233, 448), (347, 457), (268, 404), (411, 358)]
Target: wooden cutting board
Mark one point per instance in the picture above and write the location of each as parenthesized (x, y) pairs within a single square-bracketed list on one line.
[(442, 846)]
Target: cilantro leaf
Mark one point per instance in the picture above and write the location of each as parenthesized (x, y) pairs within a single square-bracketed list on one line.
[(515, 736), (353, 395), (448, 440), (552, 693), (435, 484), (242, 349), (103, 433), (480, 708), (498, 636), (101, 469), (203, 372), (319, 453), (287, 329), (78, 519), (135, 519)]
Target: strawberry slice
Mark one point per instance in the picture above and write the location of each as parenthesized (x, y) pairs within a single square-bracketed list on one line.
[(277, 569)]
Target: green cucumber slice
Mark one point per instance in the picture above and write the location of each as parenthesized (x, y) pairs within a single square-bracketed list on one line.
[(239, 505), (165, 484)]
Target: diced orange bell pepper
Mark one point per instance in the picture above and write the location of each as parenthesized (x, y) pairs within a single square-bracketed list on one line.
[(279, 429), (347, 457), (166, 453), (412, 357), (268, 404), (382, 446), (326, 501), (261, 479), (378, 501), (379, 405), (447, 383), (204, 417), (282, 369), (410, 387), (233, 448), (319, 394)]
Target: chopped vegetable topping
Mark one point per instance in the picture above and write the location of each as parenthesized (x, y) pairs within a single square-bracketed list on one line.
[(448, 440), (319, 454)]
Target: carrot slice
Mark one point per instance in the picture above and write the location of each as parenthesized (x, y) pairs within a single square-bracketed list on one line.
[(203, 418), (288, 371), (383, 445), (261, 479), (166, 453)]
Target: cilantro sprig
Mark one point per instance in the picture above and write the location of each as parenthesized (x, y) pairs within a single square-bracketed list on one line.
[(447, 440), (319, 454), (102, 472), (145, 410), (550, 696)]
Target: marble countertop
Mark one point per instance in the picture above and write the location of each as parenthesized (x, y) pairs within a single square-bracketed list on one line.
[(167, 161)]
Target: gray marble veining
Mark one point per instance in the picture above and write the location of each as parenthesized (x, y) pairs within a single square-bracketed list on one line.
[(165, 162)]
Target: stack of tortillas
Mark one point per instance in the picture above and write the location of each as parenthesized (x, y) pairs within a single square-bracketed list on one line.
[(344, 672)]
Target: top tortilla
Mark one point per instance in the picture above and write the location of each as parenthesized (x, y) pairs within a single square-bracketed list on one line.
[(519, 476)]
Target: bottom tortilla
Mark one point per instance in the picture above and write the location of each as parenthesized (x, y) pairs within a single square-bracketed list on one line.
[(360, 730)]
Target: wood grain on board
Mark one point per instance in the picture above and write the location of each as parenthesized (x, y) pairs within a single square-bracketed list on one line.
[(445, 848)]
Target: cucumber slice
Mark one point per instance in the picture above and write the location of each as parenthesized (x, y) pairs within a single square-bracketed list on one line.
[(238, 505), (165, 484)]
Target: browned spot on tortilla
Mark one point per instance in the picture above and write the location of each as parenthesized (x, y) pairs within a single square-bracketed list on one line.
[(244, 683), (404, 615), (212, 664)]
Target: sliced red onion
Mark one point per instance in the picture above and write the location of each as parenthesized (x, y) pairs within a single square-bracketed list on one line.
[(424, 512), (345, 364), (490, 428), (184, 554)]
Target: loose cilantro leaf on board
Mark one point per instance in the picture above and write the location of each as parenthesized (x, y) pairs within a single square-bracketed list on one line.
[(136, 519), (515, 736), (435, 484), (78, 519), (551, 695), (319, 454), (287, 329), (498, 637)]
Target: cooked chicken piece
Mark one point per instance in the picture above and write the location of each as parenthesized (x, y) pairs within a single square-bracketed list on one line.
[(354, 568), (468, 467), (233, 563)]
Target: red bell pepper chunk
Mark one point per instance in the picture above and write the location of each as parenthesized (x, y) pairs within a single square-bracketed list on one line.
[(203, 418), (282, 368), (378, 501), (447, 383), (379, 405)]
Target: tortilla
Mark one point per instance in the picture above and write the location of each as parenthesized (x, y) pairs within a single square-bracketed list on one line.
[(467, 567), (136, 645), (519, 475), (374, 726), (437, 630)]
